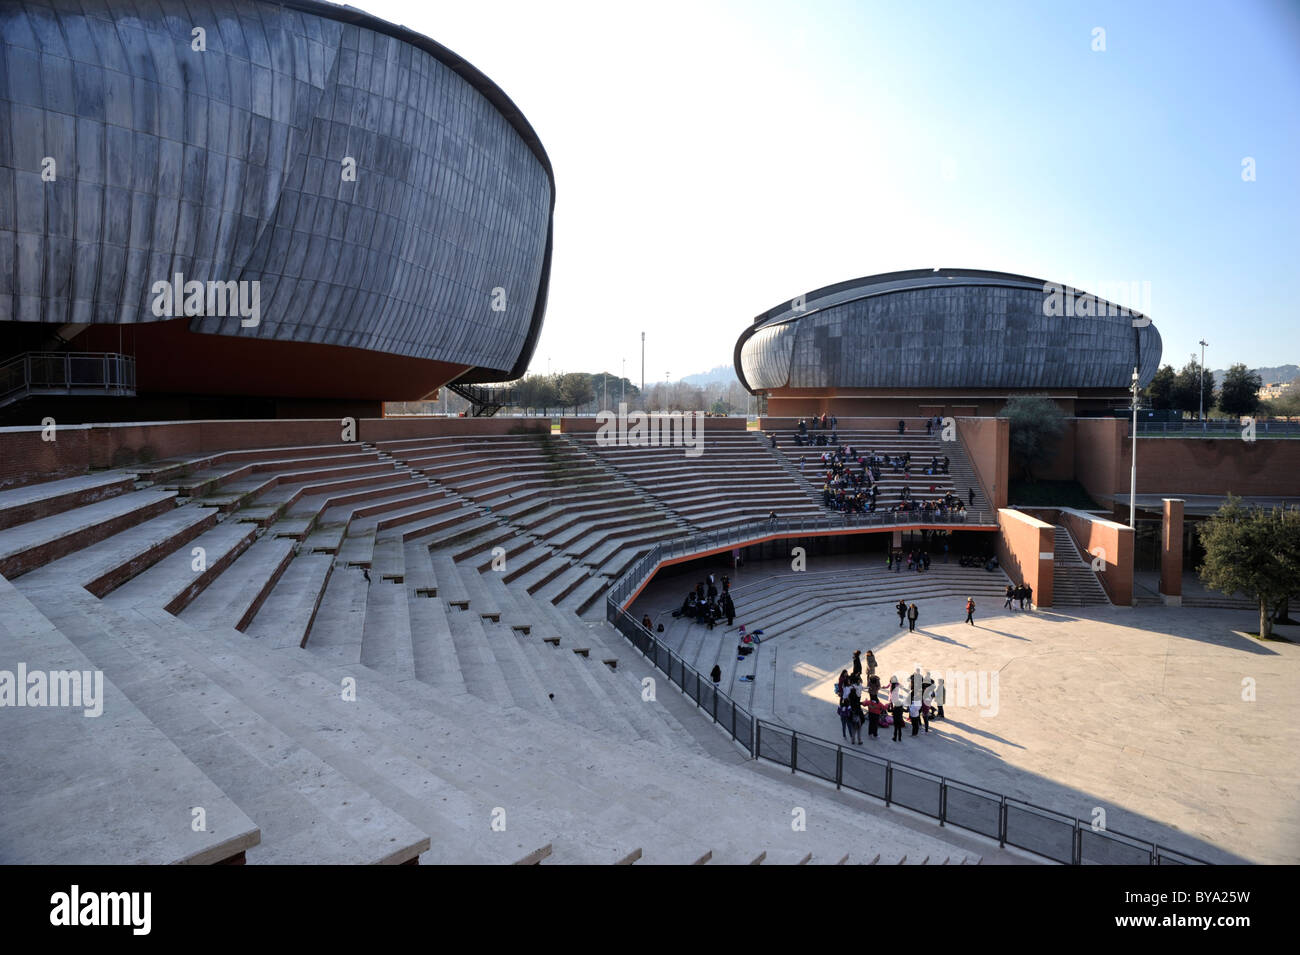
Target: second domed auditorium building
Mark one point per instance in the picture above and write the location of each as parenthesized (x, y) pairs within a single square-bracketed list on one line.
[(944, 341)]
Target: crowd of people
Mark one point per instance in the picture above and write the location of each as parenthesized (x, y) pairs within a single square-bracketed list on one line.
[(917, 700), (851, 482), (705, 604)]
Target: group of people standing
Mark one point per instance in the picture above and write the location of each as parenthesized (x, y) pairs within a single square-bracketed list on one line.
[(922, 698), (1020, 593)]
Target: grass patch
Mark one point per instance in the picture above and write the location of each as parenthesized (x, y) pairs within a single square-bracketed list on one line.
[(1274, 638), (1050, 494)]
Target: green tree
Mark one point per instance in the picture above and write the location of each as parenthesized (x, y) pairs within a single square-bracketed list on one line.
[(1036, 425), (1239, 394), (1254, 551), (1159, 393), (537, 392), (1286, 405), (574, 389), (1187, 393)]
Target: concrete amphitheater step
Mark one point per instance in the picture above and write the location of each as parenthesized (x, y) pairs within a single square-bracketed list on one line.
[(386, 641), (63, 806), (336, 631), (47, 498), (34, 543), (285, 617), (233, 599), (182, 575), (108, 564), (259, 768)]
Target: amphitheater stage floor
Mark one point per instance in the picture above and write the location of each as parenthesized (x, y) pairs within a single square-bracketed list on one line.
[(1178, 725)]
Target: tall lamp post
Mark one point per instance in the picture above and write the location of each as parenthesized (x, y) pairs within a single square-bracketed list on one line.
[(624, 385), (1202, 343), (643, 368), (1133, 457)]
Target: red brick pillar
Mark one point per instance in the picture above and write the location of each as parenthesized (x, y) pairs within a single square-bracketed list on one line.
[(1171, 552)]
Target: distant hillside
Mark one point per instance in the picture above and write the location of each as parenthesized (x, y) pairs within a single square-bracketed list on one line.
[(722, 375), (1269, 376)]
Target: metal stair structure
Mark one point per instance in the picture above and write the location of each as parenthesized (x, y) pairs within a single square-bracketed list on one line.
[(485, 401)]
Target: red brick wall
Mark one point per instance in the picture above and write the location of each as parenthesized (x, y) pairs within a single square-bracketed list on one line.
[(1176, 466), (1021, 539), (1097, 449), (1113, 543), (987, 442), (26, 459)]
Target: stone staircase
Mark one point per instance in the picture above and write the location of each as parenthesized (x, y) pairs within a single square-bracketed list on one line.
[(1074, 584), (462, 691)]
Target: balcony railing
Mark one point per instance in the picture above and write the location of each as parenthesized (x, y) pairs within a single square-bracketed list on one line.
[(1217, 428), (66, 373)]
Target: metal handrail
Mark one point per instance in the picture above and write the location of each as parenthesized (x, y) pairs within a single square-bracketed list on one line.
[(1217, 428)]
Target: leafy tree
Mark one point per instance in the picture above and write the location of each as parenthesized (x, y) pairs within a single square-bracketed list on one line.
[(538, 392), (574, 389), (1036, 426), (1240, 392), (1186, 394), (1159, 393), (1255, 551), (1286, 405)]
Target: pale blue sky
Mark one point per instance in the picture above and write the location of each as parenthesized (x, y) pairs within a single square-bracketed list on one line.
[(714, 159)]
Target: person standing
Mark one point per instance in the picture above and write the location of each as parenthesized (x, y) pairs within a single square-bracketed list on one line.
[(938, 698), (716, 675), (1029, 596), (914, 714), (856, 717), (874, 709), (896, 708), (970, 497), (970, 611), (902, 611), (912, 614), (857, 665), (871, 666), (728, 607), (846, 714), (1011, 592)]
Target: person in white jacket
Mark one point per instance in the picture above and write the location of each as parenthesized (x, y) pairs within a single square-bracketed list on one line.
[(896, 707)]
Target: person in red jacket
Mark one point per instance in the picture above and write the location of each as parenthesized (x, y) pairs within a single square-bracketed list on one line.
[(874, 709), (970, 611)]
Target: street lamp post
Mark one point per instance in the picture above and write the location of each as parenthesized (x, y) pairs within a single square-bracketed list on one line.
[(624, 385), (1133, 458), (1201, 382)]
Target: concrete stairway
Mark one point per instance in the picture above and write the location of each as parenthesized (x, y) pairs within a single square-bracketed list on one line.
[(1074, 584), (340, 719)]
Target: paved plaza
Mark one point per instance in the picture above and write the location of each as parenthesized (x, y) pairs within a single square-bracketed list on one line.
[(1178, 725)]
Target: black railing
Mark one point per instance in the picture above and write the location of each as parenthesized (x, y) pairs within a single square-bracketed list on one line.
[(486, 400), (66, 373), (1218, 428), (1013, 822)]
